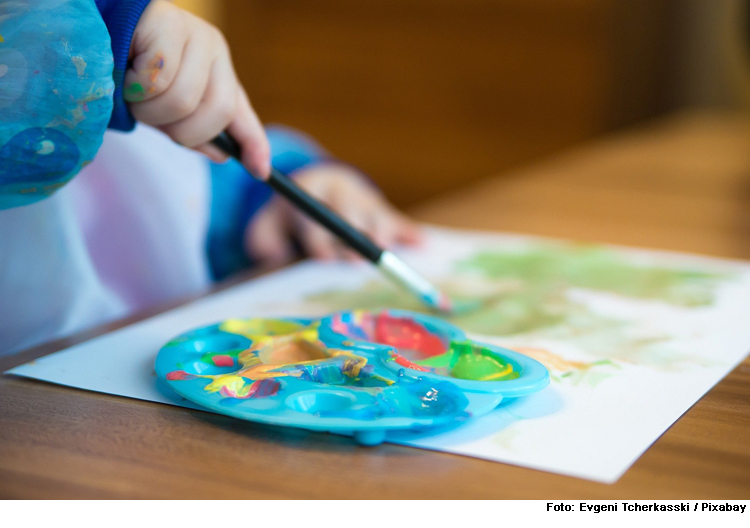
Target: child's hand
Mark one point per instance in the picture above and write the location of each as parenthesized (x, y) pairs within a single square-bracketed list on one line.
[(182, 82), (268, 238)]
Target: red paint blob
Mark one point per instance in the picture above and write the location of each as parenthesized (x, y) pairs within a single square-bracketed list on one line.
[(259, 389), (223, 360), (406, 334), (265, 388), (179, 375), (229, 393)]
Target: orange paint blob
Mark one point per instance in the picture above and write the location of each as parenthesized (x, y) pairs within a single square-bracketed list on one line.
[(401, 360), (155, 66), (284, 352)]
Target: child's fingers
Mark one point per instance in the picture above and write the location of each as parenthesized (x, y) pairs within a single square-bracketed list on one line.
[(215, 111), (349, 255), (359, 219), (152, 72), (245, 127), (214, 153), (185, 92), (156, 57), (391, 228), (267, 237), (383, 229), (406, 230), (316, 241)]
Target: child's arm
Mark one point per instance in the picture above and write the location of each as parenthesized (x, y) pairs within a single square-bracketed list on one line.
[(269, 237), (249, 225)]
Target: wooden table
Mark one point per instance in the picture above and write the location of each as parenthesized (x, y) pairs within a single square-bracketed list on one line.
[(681, 184)]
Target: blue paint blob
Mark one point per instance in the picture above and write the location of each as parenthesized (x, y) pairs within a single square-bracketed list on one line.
[(38, 156)]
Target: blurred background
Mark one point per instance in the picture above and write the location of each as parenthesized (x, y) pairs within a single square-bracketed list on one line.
[(426, 95)]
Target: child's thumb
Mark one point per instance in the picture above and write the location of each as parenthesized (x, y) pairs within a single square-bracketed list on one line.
[(246, 129)]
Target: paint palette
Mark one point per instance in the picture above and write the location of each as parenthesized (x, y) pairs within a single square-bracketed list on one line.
[(357, 373)]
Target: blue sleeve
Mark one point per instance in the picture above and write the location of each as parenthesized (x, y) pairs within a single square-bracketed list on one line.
[(56, 91), (121, 17), (237, 197)]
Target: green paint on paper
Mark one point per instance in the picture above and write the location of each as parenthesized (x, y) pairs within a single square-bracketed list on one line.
[(595, 268), (529, 294)]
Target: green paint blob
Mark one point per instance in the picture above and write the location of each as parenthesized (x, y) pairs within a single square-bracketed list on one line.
[(469, 361), (441, 361), (134, 92), (474, 362)]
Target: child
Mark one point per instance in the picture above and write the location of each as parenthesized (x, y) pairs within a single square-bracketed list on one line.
[(146, 221)]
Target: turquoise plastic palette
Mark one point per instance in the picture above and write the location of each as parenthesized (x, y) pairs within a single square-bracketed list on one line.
[(356, 373)]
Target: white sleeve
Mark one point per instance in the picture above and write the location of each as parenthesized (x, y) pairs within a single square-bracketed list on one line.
[(128, 233)]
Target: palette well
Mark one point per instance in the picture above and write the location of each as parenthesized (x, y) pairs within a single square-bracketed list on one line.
[(358, 373)]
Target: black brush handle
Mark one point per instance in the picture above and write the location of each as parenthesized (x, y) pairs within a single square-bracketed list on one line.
[(312, 207)]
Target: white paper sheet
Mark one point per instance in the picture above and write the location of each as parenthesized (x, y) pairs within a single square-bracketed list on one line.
[(632, 339)]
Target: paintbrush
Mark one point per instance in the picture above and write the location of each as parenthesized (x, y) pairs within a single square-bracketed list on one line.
[(392, 266)]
